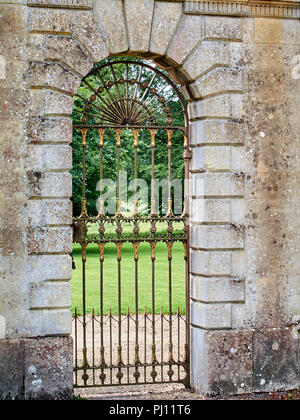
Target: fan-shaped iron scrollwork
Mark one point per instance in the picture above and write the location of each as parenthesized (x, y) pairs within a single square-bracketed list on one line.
[(129, 93)]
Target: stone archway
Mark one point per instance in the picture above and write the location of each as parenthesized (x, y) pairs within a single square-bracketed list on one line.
[(214, 89), (208, 54)]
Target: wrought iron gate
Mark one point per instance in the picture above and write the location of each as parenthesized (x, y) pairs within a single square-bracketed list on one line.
[(132, 346)]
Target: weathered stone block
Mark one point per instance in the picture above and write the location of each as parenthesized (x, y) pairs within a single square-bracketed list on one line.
[(2, 327), (45, 102), (211, 158), (49, 322), (216, 82), (50, 130), (211, 263), (218, 263), (52, 185), (205, 57), (49, 295), (204, 210), (165, 20), (223, 106), (49, 212), (217, 289), (68, 52), (214, 131), (187, 36), (274, 31), (48, 368), (49, 157), (53, 75), (50, 240), (13, 74), (217, 210), (59, 267), (12, 369), (50, 21), (217, 237), (225, 367), (221, 185), (107, 17), (13, 19), (139, 15), (9, 106), (276, 360), (221, 27), (87, 33), (211, 316)]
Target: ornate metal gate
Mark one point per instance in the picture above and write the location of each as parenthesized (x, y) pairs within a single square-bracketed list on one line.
[(132, 102)]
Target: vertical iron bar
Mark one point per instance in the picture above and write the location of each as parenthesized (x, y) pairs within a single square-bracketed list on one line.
[(145, 343), (128, 342), (154, 359), (153, 204), (83, 201), (162, 342), (110, 345), (137, 356), (75, 348), (120, 361), (118, 134), (85, 362), (102, 350), (93, 343), (171, 359), (170, 204)]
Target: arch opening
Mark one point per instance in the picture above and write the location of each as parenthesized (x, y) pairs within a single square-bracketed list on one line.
[(131, 240)]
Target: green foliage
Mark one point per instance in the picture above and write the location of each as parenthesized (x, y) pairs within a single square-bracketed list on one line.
[(127, 150)]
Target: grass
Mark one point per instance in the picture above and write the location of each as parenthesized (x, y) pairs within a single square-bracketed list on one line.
[(128, 279)]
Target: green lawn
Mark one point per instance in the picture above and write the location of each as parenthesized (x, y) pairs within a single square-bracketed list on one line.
[(128, 278)]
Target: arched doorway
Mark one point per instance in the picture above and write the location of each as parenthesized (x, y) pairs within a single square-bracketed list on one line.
[(131, 236)]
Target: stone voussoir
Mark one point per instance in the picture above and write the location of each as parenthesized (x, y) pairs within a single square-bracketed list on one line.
[(165, 21), (68, 52), (139, 20), (87, 34), (188, 34), (112, 25), (53, 75), (217, 82)]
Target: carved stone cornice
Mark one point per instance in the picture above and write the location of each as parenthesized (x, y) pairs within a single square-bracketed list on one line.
[(65, 4), (251, 8), (274, 9)]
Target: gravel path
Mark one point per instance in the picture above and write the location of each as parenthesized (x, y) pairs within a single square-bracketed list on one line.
[(128, 341), (172, 392)]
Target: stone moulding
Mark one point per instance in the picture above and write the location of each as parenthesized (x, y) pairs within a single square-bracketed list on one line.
[(273, 9), (70, 4), (235, 8)]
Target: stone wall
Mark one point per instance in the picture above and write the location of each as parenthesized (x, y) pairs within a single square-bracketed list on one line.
[(237, 64)]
